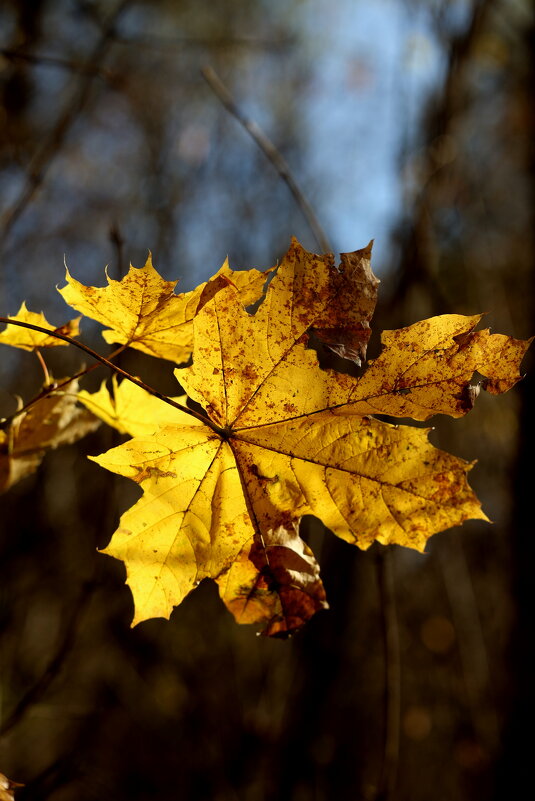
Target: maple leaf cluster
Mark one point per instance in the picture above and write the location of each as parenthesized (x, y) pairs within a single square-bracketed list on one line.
[(280, 437)]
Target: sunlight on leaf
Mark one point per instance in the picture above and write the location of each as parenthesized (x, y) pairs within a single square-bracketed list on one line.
[(25, 338), (284, 438), (143, 311)]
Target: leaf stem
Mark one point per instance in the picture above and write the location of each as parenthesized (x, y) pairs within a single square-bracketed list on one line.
[(115, 368), (43, 365)]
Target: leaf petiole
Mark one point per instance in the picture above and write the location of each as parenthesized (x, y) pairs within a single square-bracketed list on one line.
[(42, 362)]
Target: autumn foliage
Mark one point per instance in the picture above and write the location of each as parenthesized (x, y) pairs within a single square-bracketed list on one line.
[(279, 437)]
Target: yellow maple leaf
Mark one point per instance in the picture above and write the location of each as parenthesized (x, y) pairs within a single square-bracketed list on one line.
[(25, 338), (51, 421), (132, 410), (284, 438), (143, 311)]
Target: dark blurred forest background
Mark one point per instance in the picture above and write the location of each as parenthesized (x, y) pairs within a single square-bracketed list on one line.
[(406, 121)]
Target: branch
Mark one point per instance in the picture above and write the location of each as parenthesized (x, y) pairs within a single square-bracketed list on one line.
[(55, 61), (115, 368), (54, 387), (270, 151), (158, 42), (419, 252)]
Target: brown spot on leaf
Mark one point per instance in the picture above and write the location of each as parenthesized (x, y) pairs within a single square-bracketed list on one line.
[(290, 408), (249, 373), (152, 471)]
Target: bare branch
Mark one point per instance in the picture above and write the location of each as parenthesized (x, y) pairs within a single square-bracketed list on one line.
[(223, 42), (55, 387), (270, 151), (54, 61)]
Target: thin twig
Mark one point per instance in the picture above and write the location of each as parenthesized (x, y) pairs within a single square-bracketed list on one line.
[(155, 41), (54, 387), (158, 41), (43, 60), (270, 151), (115, 368), (43, 366)]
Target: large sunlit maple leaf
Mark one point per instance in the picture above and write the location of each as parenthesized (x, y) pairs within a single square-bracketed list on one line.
[(143, 311), (283, 438)]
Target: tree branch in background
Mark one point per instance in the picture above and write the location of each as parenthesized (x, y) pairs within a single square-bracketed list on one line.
[(42, 60), (53, 142), (419, 253), (270, 151), (418, 267), (223, 42)]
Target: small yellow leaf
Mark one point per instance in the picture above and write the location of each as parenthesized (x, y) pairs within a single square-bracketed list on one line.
[(132, 410), (27, 339), (143, 311)]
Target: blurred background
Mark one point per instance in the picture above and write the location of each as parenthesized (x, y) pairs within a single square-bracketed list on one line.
[(406, 121)]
